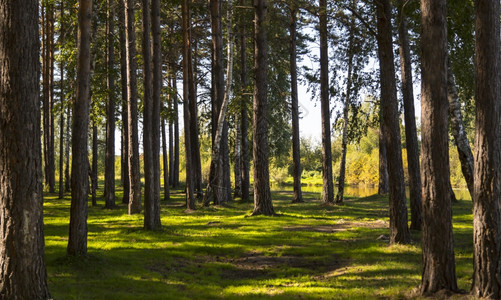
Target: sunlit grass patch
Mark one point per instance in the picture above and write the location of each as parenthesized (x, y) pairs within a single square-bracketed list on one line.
[(307, 251)]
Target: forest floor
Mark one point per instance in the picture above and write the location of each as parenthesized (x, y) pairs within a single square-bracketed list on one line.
[(307, 251)]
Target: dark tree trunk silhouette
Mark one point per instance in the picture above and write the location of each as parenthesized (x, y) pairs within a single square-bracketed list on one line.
[(165, 161), (237, 164), (439, 272), (220, 175), (190, 175), (487, 181), (77, 241), (296, 157), (61, 116), (383, 186), (93, 170), (193, 102), (48, 93), (410, 121), (175, 177), (151, 221), (262, 195), (328, 189), (156, 91), (399, 231), (344, 142), (133, 155), (458, 130), (22, 271), (171, 126), (125, 121), (217, 145), (67, 181), (244, 161), (109, 171)]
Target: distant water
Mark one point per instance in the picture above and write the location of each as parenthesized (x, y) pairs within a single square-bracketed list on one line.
[(366, 190)]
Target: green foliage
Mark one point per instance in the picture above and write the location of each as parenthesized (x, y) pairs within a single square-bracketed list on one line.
[(308, 251)]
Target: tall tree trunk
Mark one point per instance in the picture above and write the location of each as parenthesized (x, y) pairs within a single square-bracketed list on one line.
[(458, 130), (487, 181), (190, 175), (262, 194), (152, 192), (383, 186), (439, 272), (296, 157), (170, 121), (219, 175), (77, 241), (410, 121), (61, 117), (244, 161), (133, 155), (344, 142), (175, 179), (237, 167), (149, 190), (125, 121), (109, 172), (93, 172), (67, 181), (22, 271), (399, 231), (328, 189), (48, 93), (197, 163), (157, 90), (217, 145), (165, 162)]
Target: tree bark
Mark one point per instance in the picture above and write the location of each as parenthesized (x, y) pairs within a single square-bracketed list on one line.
[(262, 195), (237, 167), (244, 161), (48, 93), (22, 271), (399, 232), (133, 155), (149, 189), (165, 163), (458, 130), (410, 121), (438, 251), (170, 121), (328, 189), (156, 93), (193, 86), (109, 172), (296, 157), (383, 186), (77, 241), (213, 188), (67, 180), (487, 180), (190, 175), (61, 117), (175, 179), (93, 170), (344, 142), (220, 175), (125, 121)]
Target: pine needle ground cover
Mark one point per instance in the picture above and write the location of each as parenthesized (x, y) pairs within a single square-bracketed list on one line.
[(307, 251)]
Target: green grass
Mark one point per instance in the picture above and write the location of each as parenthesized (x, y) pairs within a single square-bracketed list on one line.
[(308, 251)]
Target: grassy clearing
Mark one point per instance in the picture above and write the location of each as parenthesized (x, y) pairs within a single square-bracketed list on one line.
[(308, 251)]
